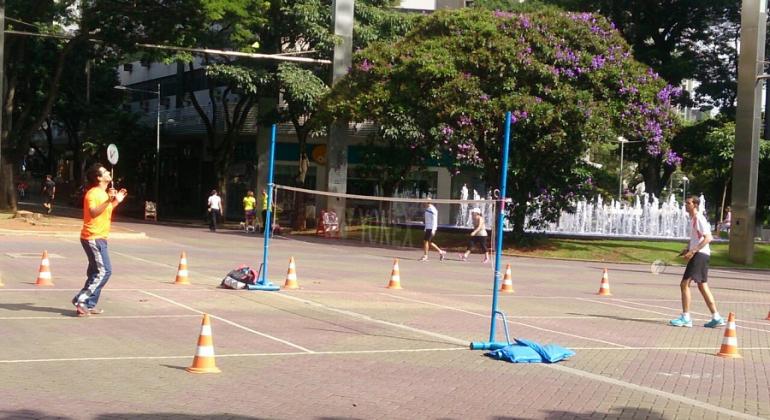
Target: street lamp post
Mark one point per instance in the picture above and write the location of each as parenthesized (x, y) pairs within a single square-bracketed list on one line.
[(685, 180), (157, 137), (622, 140)]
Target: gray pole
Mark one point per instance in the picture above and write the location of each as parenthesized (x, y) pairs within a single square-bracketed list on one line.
[(337, 144), (2, 77), (620, 178), (747, 124), (157, 154)]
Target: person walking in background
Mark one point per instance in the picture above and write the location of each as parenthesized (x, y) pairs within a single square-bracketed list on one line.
[(431, 224), (22, 188), (697, 256), (726, 223), (264, 209), (49, 193), (98, 204), (215, 209), (249, 209), (478, 236)]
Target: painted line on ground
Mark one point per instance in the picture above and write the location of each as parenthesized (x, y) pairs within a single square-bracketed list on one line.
[(708, 317), (336, 353), (667, 348), (226, 321), (653, 391), (143, 260), (317, 353), (70, 317), (357, 315), (509, 321)]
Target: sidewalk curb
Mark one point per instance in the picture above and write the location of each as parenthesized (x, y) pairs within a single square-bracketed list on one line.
[(76, 235)]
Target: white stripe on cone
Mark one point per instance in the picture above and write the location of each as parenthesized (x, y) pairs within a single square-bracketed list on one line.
[(44, 275), (205, 351), (182, 273)]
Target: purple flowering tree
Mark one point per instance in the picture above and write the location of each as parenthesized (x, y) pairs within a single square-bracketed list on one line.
[(568, 79)]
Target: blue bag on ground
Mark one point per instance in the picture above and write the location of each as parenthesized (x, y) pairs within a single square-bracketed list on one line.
[(525, 351)]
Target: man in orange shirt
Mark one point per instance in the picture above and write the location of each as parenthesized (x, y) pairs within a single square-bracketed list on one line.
[(98, 204)]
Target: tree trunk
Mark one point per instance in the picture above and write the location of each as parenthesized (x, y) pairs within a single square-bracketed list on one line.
[(7, 189)]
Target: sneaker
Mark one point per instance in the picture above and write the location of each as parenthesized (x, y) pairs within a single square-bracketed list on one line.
[(463, 257), (486, 260), (681, 322), (424, 258), (715, 323), (441, 255), (95, 311), (81, 309)]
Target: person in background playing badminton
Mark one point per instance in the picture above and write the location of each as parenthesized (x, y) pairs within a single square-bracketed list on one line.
[(478, 236), (697, 256), (431, 224)]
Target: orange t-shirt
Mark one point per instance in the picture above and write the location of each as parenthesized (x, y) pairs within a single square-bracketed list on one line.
[(96, 227)]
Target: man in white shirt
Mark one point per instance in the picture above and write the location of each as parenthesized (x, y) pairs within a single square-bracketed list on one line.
[(697, 255), (215, 209), (431, 224)]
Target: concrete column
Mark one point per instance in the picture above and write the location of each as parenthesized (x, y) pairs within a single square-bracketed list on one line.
[(337, 145), (444, 190), (747, 125)]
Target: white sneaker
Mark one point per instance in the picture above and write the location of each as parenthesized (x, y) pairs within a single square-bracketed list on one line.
[(424, 258)]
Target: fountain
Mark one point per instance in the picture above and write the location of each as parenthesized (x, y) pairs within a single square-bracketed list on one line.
[(647, 217)]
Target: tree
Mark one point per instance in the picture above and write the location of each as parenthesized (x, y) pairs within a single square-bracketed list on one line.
[(683, 39), (708, 150), (568, 79), (305, 25), (35, 65)]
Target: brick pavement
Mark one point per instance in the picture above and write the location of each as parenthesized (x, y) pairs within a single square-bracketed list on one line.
[(343, 346)]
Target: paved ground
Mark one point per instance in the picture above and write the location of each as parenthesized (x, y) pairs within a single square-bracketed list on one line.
[(343, 346)]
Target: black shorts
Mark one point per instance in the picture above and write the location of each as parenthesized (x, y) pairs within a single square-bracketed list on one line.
[(697, 268), (48, 199), (429, 234)]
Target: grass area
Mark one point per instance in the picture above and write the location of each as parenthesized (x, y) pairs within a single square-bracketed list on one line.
[(631, 251), (610, 250)]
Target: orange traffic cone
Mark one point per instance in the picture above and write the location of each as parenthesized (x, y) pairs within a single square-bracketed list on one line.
[(1, 280), (44, 277), (182, 273), (395, 277), (507, 285), (291, 276), (204, 355), (768, 315), (604, 288), (730, 341)]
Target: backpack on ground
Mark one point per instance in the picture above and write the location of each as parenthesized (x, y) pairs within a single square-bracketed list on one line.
[(239, 278)]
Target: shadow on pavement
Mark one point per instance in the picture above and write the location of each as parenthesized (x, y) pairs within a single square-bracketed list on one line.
[(32, 307), (615, 412)]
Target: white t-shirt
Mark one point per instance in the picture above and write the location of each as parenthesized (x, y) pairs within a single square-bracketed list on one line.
[(699, 227), (431, 218), (215, 202)]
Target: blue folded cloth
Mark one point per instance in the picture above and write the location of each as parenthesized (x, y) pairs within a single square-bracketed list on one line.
[(525, 351)]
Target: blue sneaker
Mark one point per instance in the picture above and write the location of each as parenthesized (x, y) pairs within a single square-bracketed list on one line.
[(681, 322), (715, 323)]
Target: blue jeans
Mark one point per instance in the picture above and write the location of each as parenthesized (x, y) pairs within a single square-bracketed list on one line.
[(99, 271)]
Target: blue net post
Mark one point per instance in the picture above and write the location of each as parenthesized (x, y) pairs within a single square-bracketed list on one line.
[(499, 244), (263, 283)]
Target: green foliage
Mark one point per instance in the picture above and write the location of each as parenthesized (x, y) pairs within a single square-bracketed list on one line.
[(243, 80), (567, 78), (708, 149), (685, 39), (302, 89)]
